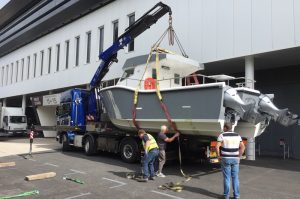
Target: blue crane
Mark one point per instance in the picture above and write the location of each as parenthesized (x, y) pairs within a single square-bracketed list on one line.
[(138, 27)]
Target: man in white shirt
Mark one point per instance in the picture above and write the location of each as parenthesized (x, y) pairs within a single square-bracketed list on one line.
[(230, 148)]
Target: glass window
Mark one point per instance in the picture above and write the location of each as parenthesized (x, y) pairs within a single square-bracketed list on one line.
[(64, 109), (35, 60), (22, 69), (12, 73), (88, 47), (127, 73), (176, 78), (154, 73), (67, 53), (101, 39), (49, 59), (57, 56), (115, 30), (17, 119), (5, 120), (17, 70), (28, 67), (2, 76), (131, 19), (7, 69), (42, 62), (77, 40)]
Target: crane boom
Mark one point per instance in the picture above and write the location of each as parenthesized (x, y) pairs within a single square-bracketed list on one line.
[(133, 31)]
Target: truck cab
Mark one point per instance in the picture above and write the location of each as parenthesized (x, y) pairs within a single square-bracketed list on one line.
[(13, 120)]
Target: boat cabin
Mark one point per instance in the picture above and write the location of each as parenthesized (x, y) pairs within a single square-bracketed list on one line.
[(171, 69)]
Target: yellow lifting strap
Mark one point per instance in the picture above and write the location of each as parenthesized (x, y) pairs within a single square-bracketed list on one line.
[(157, 75), (136, 92)]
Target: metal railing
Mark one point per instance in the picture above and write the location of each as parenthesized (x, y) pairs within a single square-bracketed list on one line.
[(185, 81)]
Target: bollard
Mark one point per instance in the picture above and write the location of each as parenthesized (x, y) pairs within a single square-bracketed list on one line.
[(250, 149)]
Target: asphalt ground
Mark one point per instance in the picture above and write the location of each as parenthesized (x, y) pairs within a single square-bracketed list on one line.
[(104, 176)]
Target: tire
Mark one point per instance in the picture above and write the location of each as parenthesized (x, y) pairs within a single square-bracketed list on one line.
[(65, 143), (129, 151), (89, 146)]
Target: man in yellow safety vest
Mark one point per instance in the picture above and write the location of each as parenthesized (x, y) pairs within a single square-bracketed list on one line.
[(151, 153)]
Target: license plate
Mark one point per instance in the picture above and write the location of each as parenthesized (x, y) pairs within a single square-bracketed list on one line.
[(215, 160)]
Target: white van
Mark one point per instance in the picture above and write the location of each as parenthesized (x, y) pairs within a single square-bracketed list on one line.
[(13, 120)]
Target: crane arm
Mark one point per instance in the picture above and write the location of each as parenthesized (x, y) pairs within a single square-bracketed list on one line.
[(138, 27)]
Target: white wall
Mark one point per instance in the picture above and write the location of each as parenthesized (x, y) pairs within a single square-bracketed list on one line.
[(210, 30)]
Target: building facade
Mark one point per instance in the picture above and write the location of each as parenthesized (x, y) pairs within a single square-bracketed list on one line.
[(49, 46)]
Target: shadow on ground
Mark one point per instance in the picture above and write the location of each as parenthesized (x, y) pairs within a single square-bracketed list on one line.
[(274, 163), (201, 191)]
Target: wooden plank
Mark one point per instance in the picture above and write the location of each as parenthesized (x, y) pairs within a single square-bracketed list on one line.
[(40, 176), (7, 164)]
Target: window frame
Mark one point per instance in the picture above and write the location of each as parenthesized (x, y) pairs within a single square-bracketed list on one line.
[(12, 73), (7, 72), (22, 68), (17, 70), (2, 75), (35, 62), (154, 73), (28, 66), (49, 59), (88, 46), (42, 61), (131, 44), (177, 78), (57, 57), (77, 50), (67, 53), (115, 24), (101, 39)]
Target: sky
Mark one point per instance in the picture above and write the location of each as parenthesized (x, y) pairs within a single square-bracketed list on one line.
[(3, 2)]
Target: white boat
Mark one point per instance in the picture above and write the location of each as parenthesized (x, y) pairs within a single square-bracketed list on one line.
[(197, 104)]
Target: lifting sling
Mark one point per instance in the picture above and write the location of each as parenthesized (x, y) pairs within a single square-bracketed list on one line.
[(172, 35)]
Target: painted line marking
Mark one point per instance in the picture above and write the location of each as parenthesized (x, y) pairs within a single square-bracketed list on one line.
[(186, 106), (4, 169), (165, 194), (139, 108), (120, 183), (67, 174), (82, 194), (76, 171), (31, 159), (54, 165)]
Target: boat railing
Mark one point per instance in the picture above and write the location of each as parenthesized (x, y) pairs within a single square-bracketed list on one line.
[(185, 81)]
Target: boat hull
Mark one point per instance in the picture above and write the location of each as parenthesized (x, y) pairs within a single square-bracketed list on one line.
[(196, 110)]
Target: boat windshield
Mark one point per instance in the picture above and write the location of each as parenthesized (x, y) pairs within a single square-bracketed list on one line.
[(127, 73), (17, 119)]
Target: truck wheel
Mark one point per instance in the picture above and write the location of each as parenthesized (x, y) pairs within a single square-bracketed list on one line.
[(65, 143), (129, 151), (89, 146)]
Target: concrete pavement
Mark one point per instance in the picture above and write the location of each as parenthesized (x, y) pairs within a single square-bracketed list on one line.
[(105, 176)]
